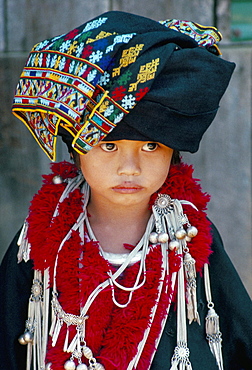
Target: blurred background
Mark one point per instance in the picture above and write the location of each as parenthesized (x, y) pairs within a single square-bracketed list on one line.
[(223, 162)]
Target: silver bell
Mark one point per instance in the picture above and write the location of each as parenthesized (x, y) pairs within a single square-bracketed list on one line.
[(180, 234), (82, 367), (173, 245), (153, 238), (192, 231), (69, 365), (57, 180), (163, 237), (28, 337), (22, 340)]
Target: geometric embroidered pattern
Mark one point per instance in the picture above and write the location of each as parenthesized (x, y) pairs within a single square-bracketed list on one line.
[(203, 35), (86, 80)]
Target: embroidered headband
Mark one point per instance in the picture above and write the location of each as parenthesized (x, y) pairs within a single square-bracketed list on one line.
[(124, 76)]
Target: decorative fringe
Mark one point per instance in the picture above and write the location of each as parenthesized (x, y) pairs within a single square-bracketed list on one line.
[(180, 359), (24, 245), (213, 336), (191, 297), (213, 333), (36, 328)]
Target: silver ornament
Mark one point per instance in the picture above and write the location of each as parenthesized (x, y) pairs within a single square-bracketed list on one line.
[(57, 180), (28, 337), (69, 365), (99, 366), (37, 290), (187, 238), (180, 234), (82, 367), (192, 231), (153, 238), (48, 366), (162, 203), (173, 245), (163, 237), (87, 353), (22, 340)]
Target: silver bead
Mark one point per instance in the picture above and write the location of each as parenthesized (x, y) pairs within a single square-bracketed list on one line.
[(82, 367), (80, 321), (163, 237), (57, 180), (153, 238), (28, 337), (22, 340), (192, 231), (69, 365), (48, 366), (87, 353), (187, 238), (180, 234), (99, 366), (173, 245)]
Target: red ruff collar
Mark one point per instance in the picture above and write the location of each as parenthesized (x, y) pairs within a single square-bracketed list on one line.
[(113, 333)]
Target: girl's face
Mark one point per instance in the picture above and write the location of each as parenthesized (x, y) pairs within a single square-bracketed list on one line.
[(125, 172)]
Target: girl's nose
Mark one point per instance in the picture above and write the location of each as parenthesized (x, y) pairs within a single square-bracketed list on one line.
[(129, 164)]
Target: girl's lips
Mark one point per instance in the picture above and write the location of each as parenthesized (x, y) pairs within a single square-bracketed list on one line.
[(127, 188)]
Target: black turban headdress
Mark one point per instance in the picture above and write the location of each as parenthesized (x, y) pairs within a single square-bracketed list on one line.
[(123, 76)]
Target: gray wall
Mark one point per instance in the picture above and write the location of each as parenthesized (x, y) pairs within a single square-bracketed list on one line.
[(223, 162)]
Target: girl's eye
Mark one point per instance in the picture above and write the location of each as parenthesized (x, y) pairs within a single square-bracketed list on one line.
[(109, 147), (150, 147)]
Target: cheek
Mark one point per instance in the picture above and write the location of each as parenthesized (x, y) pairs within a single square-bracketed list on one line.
[(162, 168), (158, 174), (95, 175), (88, 171)]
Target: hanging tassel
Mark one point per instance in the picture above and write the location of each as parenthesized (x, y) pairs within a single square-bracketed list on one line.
[(24, 245), (180, 359), (33, 328), (213, 335), (191, 297)]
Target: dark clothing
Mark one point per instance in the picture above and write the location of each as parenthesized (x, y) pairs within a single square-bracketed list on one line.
[(232, 304), (234, 307)]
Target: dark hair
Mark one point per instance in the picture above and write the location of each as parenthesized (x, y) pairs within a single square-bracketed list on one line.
[(176, 158)]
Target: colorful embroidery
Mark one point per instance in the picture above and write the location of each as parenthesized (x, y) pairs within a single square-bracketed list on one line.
[(61, 76), (203, 35), (100, 36), (87, 80), (128, 57), (146, 73)]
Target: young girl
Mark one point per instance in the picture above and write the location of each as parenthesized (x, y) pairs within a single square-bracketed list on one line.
[(114, 256)]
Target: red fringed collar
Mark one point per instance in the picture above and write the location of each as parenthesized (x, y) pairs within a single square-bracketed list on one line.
[(113, 333)]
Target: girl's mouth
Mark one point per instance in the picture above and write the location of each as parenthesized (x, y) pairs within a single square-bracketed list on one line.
[(127, 188)]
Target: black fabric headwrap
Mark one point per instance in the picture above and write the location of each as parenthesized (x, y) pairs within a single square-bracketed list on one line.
[(123, 76)]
